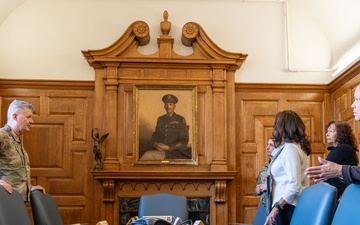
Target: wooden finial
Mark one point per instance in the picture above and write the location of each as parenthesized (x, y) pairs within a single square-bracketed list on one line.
[(165, 25)]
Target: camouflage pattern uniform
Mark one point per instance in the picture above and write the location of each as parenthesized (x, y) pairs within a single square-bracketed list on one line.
[(173, 132), (14, 162), (261, 179)]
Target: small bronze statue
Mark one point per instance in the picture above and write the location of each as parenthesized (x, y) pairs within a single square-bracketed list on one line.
[(97, 152)]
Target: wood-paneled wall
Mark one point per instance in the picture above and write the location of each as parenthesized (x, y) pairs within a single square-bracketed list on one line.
[(60, 145), (256, 107)]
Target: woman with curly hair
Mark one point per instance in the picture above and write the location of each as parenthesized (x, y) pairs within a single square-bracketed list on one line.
[(343, 149), (287, 167)]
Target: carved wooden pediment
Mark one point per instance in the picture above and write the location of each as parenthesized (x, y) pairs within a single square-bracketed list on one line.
[(138, 34)]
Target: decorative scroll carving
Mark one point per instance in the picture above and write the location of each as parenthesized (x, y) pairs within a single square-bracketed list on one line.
[(109, 190), (141, 31), (220, 191), (189, 32)]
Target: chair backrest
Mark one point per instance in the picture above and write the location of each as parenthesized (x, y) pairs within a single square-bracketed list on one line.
[(12, 208), (164, 205), (347, 211), (44, 209), (316, 205)]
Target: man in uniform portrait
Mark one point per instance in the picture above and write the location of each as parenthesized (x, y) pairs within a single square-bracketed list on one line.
[(171, 136)]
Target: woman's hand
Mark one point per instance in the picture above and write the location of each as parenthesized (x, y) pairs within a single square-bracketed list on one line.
[(271, 218)]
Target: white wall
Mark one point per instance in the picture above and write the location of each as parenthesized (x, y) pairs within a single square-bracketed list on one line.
[(43, 39)]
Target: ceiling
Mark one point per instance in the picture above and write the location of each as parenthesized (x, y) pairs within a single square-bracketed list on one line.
[(339, 20)]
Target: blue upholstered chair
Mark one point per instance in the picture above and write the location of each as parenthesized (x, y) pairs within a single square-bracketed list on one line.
[(316, 205), (163, 205), (12, 208), (44, 208), (347, 211)]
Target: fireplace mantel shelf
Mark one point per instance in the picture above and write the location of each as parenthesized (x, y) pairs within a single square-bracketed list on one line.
[(163, 175), (218, 179)]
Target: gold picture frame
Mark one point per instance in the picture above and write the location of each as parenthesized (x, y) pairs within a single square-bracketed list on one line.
[(150, 128)]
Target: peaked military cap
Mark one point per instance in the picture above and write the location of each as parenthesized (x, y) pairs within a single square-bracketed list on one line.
[(169, 98)]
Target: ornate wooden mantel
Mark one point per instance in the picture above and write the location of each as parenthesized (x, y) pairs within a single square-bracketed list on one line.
[(218, 178), (118, 68)]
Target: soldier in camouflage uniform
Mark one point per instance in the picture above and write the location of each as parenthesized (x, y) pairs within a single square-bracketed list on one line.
[(261, 179), (14, 161), (261, 187), (171, 136)]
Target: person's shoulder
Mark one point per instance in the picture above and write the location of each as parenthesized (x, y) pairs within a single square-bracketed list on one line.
[(265, 166), (178, 117), (290, 145), (295, 147), (162, 117), (3, 131), (344, 147), (5, 136)]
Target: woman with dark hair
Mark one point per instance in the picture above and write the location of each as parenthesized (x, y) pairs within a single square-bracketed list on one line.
[(287, 167), (343, 149)]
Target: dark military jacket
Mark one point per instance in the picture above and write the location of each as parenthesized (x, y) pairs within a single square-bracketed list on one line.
[(14, 162), (172, 131)]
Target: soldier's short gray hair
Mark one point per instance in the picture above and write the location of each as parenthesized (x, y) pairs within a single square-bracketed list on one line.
[(18, 105)]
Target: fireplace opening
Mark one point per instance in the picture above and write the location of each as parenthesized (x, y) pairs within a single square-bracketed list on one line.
[(199, 209)]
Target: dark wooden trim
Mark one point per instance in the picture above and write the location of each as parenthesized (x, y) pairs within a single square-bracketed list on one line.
[(345, 77), (276, 87), (47, 84)]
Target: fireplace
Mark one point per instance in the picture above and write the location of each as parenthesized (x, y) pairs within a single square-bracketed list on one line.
[(199, 209), (123, 75), (207, 192)]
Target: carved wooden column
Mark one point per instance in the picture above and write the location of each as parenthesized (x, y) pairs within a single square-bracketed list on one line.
[(231, 117), (111, 113), (219, 162), (99, 97)]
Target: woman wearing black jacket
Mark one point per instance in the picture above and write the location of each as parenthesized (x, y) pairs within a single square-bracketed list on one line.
[(343, 149)]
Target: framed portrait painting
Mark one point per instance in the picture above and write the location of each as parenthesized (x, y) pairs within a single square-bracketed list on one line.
[(165, 124)]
